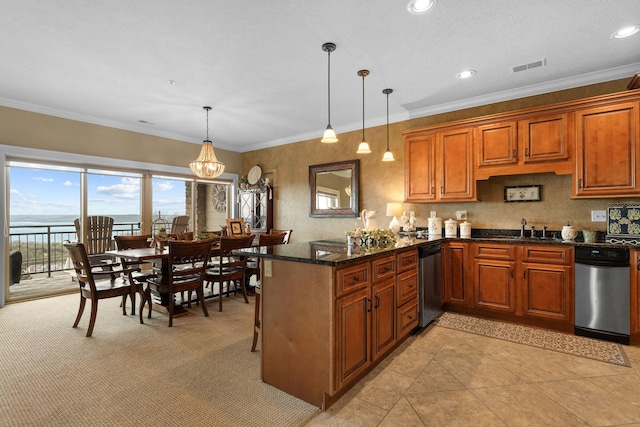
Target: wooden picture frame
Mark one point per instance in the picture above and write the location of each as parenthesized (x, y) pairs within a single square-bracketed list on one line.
[(235, 226), (523, 193)]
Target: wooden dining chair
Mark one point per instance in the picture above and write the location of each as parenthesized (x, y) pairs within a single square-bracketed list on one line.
[(187, 264), (227, 268), (287, 238), (253, 267), (140, 277), (94, 286)]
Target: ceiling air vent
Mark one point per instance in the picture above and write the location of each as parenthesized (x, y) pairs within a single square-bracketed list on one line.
[(524, 67)]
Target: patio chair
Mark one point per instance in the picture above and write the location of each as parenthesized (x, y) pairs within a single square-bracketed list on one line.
[(180, 224), (97, 238)]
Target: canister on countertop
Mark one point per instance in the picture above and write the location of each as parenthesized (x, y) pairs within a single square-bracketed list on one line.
[(568, 232), (451, 228), (435, 226), (465, 230)]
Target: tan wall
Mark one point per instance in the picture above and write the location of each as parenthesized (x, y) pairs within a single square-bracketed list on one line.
[(33, 130), (384, 182)]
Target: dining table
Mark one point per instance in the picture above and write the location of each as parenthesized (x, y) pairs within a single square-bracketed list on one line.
[(161, 257)]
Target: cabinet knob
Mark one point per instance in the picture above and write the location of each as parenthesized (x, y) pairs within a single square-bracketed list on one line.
[(526, 152)]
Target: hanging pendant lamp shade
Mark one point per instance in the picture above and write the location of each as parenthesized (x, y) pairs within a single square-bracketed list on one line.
[(329, 136), (363, 148), (207, 165), (388, 155)]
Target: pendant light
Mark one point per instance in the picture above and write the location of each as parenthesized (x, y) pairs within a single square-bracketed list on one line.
[(329, 136), (207, 165), (388, 155), (363, 148)]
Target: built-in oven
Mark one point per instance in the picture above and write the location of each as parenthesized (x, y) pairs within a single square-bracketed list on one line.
[(602, 293)]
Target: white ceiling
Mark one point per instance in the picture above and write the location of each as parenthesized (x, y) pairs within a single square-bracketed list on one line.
[(261, 67)]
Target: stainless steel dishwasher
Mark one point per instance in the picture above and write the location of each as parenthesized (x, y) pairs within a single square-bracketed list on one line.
[(602, 293), (430, 283)]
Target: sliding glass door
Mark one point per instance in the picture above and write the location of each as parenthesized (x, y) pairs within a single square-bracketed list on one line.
[(44, 200)]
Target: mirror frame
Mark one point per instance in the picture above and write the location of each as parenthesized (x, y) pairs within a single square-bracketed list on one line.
[(354, 201)]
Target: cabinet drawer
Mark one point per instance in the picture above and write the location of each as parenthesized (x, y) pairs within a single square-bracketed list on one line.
[(407, 287), (407, 260), (352, 278), (383, 268), (494, 251), (547, 254), (407, 318)]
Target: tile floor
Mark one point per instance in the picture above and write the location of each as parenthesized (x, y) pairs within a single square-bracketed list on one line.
[(443, 377)]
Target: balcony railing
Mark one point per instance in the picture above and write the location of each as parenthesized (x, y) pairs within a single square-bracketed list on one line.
[(42, 245)]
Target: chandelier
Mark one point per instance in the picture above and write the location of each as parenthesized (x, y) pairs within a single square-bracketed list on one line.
[(207, 164)]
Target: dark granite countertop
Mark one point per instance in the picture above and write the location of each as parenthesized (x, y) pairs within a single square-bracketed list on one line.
[(336, 252), (332, 252)]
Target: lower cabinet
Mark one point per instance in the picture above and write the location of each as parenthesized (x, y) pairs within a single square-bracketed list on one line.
[(495, 285), (532, 282), (369, 317), (455, 275), (353, 335)]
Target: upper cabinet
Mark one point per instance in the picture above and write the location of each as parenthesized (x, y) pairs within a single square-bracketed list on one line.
[(530, 145), (439, 166), (607, 151), (594, 139), (419, 162)]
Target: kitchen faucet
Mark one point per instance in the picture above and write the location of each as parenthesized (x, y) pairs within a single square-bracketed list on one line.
[(522, 224), (533, 231)]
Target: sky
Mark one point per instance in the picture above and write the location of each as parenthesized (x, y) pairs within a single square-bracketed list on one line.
[(53, 192)]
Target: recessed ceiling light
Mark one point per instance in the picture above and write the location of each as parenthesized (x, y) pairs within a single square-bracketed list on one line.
[(626, 32), (171, 82), (418, 7), (466, 74)]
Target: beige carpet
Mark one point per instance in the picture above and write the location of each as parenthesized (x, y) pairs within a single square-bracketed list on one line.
[(576, 345), (198, 373)]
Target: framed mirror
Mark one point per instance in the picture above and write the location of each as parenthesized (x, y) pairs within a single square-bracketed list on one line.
[(335, 189)]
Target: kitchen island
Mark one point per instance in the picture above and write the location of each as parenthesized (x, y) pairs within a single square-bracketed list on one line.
[(332, 312)]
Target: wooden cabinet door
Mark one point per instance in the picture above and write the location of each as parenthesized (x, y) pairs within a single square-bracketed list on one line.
[(419, 168), (494, 285), (545, 139), (353, 332), (547, 291), (383, 317), (455, 173), (455, 274), (607, 153), (496, 144)]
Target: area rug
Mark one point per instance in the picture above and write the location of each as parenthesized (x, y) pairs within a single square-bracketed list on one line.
[(565, 343)]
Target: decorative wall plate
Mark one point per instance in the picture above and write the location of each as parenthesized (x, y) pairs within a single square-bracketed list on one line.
[(254, 175)]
